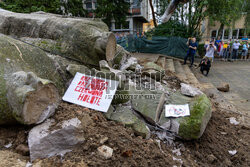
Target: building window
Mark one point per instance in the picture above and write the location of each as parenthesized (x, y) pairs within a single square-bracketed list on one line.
[(89, 5), (213, 34), (241, 33), (126, 25), (235, 32), (118, 25), (226, 34)]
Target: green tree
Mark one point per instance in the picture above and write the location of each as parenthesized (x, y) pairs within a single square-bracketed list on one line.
[(112, 9), (194, 12), (225, 12), (170, 28)]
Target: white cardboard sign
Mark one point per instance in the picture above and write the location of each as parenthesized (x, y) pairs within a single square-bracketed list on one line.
[(176, 110), (91, 92)]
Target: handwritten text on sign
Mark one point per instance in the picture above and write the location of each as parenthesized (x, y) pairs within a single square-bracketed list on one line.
[(176, 110), (91, 92)]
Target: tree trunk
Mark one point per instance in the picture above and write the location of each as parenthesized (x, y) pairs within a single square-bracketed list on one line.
[(171, 8), (220, 32), (153, 12), (84, 39), (24, 96)]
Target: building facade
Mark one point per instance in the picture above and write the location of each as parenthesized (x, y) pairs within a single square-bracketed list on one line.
[(138, 14), (235, 31)]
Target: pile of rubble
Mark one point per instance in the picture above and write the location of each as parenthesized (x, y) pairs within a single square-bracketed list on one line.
[(33, 82)]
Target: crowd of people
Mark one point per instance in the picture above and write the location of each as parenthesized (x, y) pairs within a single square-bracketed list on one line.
[(227, 51), (230, 50)]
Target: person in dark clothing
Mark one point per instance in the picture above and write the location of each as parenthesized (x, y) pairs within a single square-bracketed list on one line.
[(205, 65), (192, 45)]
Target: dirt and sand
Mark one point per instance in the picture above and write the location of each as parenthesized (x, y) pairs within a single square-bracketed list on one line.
[(130, 150)]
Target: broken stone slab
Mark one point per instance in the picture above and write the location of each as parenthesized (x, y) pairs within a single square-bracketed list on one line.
[(188, 90), (153, 70), (224, 87), (193, 126), (125, 116), (146, 103), (51, 138)]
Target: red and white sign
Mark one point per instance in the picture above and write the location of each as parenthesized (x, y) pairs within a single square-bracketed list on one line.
[(177, 110), (91, 92)]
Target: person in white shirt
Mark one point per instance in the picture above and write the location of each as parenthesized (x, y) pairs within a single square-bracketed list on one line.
[(211, 48), (235, 46)]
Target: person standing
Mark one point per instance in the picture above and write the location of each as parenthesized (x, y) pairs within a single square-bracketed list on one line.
[(235, 46), (211, 48), (221, 49), (244, 51), (192, 47), (226, 51), (217, 43)]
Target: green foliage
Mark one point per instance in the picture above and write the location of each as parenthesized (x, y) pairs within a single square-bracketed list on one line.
[(247, 11), (224, 11), (112, 9), (173, 28), (75, 7), (28, 6)]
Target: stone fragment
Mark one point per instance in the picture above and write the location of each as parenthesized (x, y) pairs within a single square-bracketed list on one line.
[(105, 151), (103, 140), (233, 121), (51, 138), (130, 64), (224, 87), (189, 90), (232, 152)]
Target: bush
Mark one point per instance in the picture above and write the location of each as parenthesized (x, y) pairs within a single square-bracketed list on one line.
[(173, 28)]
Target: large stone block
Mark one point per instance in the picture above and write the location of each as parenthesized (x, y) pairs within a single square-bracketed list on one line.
[(193, 126), (50, 138)]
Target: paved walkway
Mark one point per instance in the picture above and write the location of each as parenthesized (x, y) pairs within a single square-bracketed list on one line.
[(237, 74)]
